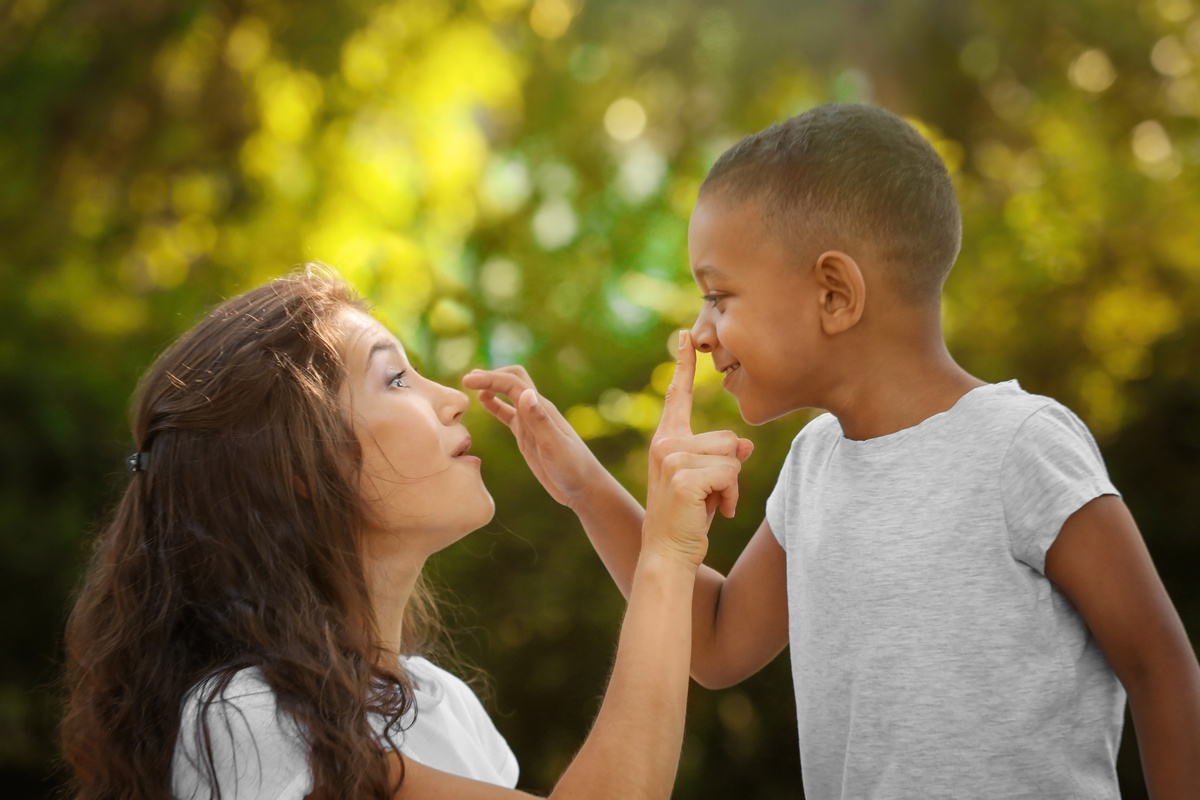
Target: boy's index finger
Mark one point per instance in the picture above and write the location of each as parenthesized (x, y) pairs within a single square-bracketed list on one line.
[(677, 407), (505, 383)]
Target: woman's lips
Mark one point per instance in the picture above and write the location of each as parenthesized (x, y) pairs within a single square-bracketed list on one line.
[(460, 452)]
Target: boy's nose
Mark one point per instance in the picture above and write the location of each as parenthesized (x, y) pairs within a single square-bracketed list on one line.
[(703, 335)]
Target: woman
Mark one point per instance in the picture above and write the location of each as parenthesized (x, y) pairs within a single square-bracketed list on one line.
[(251, 617)]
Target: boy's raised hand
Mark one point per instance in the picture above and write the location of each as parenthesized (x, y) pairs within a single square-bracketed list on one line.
[(691, 475), (559, 459)]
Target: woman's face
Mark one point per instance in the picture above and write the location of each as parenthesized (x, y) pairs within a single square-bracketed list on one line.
[(416, 478)]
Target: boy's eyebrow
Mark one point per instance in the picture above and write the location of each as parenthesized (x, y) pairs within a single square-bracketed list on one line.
[(708, 271)]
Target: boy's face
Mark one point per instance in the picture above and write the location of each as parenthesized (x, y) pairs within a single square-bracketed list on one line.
[(759, 321)]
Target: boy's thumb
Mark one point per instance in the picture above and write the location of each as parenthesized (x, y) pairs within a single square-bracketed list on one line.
[(744, 448), (532, 405)]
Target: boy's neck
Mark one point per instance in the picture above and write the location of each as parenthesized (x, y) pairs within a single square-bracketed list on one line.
[(897, 380)]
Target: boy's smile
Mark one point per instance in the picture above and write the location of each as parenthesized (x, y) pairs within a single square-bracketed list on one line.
[(759, 319)]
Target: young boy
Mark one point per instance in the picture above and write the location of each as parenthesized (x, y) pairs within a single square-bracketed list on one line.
[(966, 598)]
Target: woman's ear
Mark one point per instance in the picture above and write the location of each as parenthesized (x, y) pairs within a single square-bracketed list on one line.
[(301, 487), (842, 291)]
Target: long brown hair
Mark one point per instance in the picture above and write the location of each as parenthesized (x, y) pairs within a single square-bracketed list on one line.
[(235, 547)]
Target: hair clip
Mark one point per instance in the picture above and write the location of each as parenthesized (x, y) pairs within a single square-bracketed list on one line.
[(138, 462)]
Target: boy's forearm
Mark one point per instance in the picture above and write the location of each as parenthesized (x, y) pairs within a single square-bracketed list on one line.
[(612, 519), (1165, 705)]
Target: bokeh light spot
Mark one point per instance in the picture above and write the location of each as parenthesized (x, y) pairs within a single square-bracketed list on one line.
[(555, 224), (1092, 71), (625, 119), (587, 422), (248, 44), (1151, 145), (500, 280), (1170, 57), (550, 18)]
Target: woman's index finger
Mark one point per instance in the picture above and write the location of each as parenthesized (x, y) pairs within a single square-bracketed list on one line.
[(677, 408)]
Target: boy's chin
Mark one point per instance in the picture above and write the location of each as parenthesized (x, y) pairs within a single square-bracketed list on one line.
[(755, 413)]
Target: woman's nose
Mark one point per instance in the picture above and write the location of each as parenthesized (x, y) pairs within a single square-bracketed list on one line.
[(453, 404)]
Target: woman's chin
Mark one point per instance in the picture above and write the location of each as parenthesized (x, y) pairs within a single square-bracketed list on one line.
[(486, 513)]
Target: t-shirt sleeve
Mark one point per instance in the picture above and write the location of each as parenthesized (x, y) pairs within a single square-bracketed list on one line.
[(475, 717), (1052, 469), (258, 753), (777, 501)]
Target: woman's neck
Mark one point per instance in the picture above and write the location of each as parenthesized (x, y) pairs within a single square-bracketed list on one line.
[(391, 572)]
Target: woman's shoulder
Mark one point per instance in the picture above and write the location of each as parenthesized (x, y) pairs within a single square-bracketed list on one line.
[(452, 730), (255, 750), (244, 695), (434, 682)]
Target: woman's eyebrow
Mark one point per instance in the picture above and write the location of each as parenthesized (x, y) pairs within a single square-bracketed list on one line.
[(381, 346)]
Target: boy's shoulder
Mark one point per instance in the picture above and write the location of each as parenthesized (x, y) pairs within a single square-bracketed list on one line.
[(994, 411), (1005, 405), (1010, 414)]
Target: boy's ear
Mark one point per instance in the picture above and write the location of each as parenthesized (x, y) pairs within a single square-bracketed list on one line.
[(842, 291)]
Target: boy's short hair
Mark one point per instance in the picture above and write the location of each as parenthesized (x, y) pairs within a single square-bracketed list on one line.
[(843, 174)]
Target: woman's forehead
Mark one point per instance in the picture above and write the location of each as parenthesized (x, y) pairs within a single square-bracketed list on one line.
[(363, 335)]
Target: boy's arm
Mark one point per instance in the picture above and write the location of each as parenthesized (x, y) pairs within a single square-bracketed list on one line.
[(739, 623), (1101, 564)]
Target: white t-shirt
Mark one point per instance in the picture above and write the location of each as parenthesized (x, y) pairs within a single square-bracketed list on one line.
[(259, 754), (931, 657)]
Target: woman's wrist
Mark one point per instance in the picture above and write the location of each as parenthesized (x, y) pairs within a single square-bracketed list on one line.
[(664, 557)]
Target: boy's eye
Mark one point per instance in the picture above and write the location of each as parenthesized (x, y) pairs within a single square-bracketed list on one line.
[(713, 298), (397, 380)]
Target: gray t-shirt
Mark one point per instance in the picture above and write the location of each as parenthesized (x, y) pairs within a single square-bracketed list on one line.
[(931, 656)]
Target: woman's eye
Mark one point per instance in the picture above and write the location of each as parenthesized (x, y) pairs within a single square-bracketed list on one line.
[(397, 380)]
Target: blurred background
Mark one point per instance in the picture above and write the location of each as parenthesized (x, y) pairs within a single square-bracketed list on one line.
[(510, 181)]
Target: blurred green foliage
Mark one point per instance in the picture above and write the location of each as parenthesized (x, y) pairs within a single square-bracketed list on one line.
[(510, 181)]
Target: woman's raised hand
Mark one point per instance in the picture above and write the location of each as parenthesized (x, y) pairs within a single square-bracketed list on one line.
[(557, 456), (691, 475)]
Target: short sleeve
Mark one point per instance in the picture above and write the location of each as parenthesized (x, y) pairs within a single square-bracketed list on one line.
[(258, 753), (452, 731), (1052, 469), (491, 743), (777, 501)]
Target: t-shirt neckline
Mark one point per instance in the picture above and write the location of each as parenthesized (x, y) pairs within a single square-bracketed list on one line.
[(926, 427)]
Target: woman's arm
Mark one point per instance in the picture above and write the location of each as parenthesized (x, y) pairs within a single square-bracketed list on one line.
[(739, 622), (633, 749)]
